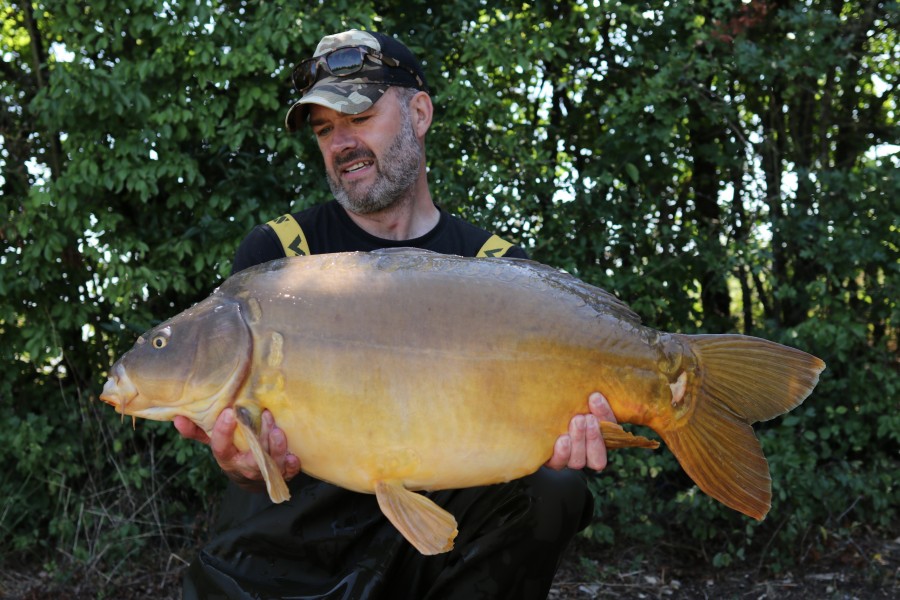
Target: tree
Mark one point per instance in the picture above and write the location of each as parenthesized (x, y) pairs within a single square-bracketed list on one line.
[(720, 166)]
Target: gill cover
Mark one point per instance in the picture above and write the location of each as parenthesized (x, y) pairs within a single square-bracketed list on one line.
[(189, 364)]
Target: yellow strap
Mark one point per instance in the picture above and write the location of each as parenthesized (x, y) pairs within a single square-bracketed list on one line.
[(495, 246), (293, 240)]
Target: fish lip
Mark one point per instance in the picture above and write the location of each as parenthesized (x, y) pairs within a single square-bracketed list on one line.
[(118, 390)]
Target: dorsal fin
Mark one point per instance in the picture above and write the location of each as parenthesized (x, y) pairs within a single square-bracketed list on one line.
[(599, 299)]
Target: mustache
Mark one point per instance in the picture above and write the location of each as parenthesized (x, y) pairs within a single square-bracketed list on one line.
[(353, 156)]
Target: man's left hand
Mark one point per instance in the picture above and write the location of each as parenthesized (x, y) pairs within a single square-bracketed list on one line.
[(583, 446)]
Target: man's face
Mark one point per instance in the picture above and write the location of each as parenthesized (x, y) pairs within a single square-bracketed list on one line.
[(372, 159)]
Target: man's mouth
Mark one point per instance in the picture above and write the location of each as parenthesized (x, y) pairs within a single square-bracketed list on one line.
[(354, 162), (358, 166)]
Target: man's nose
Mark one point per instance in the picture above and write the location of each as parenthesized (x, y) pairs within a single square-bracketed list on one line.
[(342, 138)]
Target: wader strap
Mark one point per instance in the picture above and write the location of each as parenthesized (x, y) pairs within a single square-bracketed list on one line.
[(495, 246), (293, 240)]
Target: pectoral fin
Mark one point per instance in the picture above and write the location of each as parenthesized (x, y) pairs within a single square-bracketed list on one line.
[(616, 437), (427, 526), (249, 427)]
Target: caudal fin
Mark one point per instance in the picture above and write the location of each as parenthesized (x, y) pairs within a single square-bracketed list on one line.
[(739, 380)]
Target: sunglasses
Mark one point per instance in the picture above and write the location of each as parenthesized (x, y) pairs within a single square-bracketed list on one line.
[(342, 62)]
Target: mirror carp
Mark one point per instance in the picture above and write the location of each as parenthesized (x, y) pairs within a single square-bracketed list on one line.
[(400, 371)]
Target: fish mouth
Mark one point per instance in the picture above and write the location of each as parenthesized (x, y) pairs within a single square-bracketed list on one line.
[(118, 390)]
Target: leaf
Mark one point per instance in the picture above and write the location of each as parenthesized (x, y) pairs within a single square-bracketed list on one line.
[(632, 172)]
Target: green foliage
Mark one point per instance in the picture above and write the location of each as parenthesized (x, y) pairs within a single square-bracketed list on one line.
[(720, 166)]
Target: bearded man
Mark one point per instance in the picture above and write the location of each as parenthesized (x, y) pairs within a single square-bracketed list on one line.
[(366, 101)]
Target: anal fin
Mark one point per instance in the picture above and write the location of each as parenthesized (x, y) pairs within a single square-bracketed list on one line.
[(616, 437), (427, 526)]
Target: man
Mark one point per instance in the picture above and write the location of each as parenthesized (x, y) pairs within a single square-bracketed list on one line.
[(367, 104)]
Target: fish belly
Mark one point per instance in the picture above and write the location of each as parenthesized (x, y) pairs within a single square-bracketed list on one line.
[(454, 425)]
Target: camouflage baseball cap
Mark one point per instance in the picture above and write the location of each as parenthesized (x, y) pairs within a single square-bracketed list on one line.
[(355, 93)]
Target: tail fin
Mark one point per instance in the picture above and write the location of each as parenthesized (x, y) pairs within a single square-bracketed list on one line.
[(742, 380)]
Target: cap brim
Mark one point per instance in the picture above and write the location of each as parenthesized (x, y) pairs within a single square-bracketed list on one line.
[(349, 97)]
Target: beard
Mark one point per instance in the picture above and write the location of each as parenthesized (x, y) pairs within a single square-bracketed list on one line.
[(396, 173)]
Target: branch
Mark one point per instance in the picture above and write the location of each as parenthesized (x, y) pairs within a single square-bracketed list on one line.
[(39, 66), (38, 59)]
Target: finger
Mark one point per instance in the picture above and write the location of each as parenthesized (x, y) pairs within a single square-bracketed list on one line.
[(595, 448), (278, 448), (576, 431), (562, 450), (600, 408), (222, 438), (189, 430), (291, 466), (288, 463), (267, 426), (277, 443)]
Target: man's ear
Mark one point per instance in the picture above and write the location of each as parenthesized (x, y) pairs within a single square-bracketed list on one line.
[(421, 111)]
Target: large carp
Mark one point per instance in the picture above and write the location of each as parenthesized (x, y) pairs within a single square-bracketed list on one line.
[(449, 372)]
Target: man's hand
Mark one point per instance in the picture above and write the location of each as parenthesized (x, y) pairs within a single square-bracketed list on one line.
[(583, 446), (240, 466)]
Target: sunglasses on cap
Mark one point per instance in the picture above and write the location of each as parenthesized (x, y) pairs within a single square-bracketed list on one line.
[(342, 62)]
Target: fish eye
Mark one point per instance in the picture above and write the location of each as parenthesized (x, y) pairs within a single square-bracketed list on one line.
[(159, 342)]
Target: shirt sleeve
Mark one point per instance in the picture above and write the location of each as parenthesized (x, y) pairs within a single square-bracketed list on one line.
[(516, 252), (261, 245)]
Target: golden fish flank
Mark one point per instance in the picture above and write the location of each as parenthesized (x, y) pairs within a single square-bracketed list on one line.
[(423, 358)]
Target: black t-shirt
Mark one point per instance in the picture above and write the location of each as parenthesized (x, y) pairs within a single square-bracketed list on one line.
[(327, 541), (328, 229)]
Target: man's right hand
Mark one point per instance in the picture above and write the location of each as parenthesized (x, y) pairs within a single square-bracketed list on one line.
[(240, 466)]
